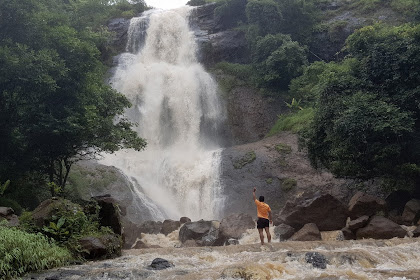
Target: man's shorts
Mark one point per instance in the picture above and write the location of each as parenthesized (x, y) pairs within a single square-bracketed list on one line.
[(263, 223)]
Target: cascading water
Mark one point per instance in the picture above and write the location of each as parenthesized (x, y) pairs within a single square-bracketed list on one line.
[(176, 106)]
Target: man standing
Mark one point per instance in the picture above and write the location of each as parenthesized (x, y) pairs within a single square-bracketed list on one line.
[(264, 217)]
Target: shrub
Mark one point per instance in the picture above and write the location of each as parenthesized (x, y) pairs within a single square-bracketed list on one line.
[(288, 184), (22, 252), (283, 148), (247, 158), (295, 122)]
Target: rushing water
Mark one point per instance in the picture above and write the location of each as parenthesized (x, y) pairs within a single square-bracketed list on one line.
[(176, 106), (395, 259)]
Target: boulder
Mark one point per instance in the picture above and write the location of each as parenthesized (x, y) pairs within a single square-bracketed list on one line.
[(6, 211), (416, 232), (139, 245), (9, 214), (327, 212), (380, 228), (190, 243), (397, 200), (109, 215), (184, 220), (308, 232), (205, 233), (169, 226), (358, 223), (130, 234), (411, 212), (159, 264), (150, 227), (283, 232), (92, 247), (42, 215), (316, 259), (235, 225), (348, 234), (362, 204)]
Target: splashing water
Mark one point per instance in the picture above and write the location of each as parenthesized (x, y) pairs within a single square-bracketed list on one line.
[(176, 105)]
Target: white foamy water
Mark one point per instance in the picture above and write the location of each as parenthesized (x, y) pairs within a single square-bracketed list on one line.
[(176, 106), (395, 259)]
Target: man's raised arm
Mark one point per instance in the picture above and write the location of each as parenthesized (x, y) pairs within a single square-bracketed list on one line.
[(253, 194)]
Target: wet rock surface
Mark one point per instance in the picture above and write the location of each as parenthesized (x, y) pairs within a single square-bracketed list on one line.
[(283, 232), (381, 228), (316, 259), (362, 204), (235, 225), (159, 264), (327, 212), (308, 232)]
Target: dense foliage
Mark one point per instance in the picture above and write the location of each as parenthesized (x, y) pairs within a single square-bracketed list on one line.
[(22, 252), (367, 113), (54, 105)]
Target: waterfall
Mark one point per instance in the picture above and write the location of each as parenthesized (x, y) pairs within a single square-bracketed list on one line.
[(176, 106)]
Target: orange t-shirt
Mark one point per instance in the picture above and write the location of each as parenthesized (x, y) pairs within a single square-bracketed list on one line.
[(262, 209)]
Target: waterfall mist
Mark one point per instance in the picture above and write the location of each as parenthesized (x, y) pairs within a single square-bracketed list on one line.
[(176, 106)]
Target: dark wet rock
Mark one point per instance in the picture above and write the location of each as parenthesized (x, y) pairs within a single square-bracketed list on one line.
[(92, 247), (169, 226), (362, 204), (284, 232), (316, 259), (381, 228), (42, 215), (109, 215), (411, 212), (151, 227), (205, 233), (358, 223), (416, 232), (348, 234), (397, 201), (119, 26), (327, 212), (308, 232), (235, 225), (130, 234), (160, 264), (184, 220)]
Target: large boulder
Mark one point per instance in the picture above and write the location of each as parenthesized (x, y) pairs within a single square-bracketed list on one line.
[(308, 232), (380, 228), (43, 214), (357, 223), (283, 232), (8, 214), (362, 204), (204, 233), (109, 214), (327, 212), (150, 227), (169, 226), (235, 225), (411, 212), (92, 247), (397, 200)]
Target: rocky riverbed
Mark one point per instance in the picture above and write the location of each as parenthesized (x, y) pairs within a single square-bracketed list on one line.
[(362, 259)]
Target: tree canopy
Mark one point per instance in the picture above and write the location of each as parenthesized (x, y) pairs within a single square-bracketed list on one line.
[(54, 105)]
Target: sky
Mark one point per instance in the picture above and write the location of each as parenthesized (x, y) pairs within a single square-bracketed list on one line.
[(166, 4)]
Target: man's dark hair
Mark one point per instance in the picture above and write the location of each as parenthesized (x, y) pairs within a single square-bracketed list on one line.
[(261, 199)]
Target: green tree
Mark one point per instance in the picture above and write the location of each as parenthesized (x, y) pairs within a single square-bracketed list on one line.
[(366, 123), (54, 106), (265, 14), (278, 60)]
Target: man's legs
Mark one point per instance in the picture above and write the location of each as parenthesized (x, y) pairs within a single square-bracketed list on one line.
[(260, 230), (267, 230)]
